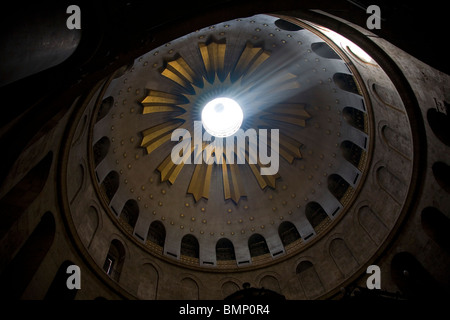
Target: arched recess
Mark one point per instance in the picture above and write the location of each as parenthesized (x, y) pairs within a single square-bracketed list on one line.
[(437, 226), (130, 214), (396, 141), (189, 289), (343, 257), (18, 273), (74, 188), (88, 226), (79, 132), (110, 185), (355, 118), (225, 250), (388, 96), (257, 245), (441, 173), (440, 124), (271, 283), (228, 288), (157, 234), (372, 224), (100, 150), (288, 233), (351, 152), (190, 248), (309, 279), (58, 288), (338, 186), (114, 260), (316, 215), (148, 282), (391, 183), (22, 195), (413, 280)]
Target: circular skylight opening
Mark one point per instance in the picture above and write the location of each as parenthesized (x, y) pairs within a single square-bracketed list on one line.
[(222, 117)]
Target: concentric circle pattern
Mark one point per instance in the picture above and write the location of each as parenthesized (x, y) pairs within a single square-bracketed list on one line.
[(292, 86), (296, 191)]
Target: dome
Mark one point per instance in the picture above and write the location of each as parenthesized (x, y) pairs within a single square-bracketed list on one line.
[(287, 176), (279, 153), (289, 182)]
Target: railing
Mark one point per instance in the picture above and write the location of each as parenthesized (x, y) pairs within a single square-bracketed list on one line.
[(262, 258), (154, 247), (189, 260), (226, 264), (293, 245)]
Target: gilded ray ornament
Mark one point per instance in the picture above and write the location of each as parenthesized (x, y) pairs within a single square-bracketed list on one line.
[(198, 86)]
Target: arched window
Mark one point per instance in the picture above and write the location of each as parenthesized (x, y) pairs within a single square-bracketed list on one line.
[(437, 226), (324, 50), (355, 118), (130, 213), (58, 289), (190, 246), (15, 278), (110, 185), (286, 25), (157, 233), (257, 245), (337, 186), (17, 200), (106, 105), (114, 260), (288, 233), (315, 214), (225, 250), (351, 152), (346, 82), (101, 148)]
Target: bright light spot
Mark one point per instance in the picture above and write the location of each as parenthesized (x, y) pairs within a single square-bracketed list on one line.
[(222, 117)]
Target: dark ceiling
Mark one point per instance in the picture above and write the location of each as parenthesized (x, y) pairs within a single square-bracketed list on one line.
[(114, 28), (113, 33)]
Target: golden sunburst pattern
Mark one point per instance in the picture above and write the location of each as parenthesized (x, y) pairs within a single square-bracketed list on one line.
[(219, 77)]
